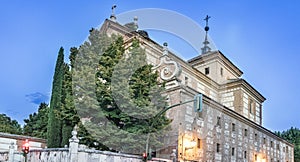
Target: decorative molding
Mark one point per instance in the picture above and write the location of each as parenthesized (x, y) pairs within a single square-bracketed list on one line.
[(168, 68)]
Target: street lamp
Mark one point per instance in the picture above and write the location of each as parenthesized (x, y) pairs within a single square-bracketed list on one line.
[(198, 104)]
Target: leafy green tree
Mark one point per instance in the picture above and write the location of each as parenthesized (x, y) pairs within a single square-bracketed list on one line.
[(54, 134), (129, 119), (293, 136), (84, 62), (117, 94), (7, 125), (36, 124)]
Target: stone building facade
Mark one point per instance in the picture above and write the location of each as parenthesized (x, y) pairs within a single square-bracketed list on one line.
[(229, 128)]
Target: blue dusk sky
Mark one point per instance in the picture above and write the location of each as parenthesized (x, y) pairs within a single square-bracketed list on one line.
[(260, 37)]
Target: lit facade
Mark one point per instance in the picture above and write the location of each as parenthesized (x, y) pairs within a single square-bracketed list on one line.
[(230, 126)]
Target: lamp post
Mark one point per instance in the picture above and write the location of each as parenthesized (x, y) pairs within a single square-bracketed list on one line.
[(197, 105)]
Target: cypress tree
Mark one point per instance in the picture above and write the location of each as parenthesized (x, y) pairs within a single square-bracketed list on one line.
[(54, 124), (68, 113)]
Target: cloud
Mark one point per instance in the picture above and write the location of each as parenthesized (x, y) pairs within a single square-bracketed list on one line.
[(37, 98)]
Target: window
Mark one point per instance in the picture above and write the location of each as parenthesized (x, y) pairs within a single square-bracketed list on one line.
[(255, 157), (199, 143), (278, 147), (207, 71), (271, 144), (287, 149), (251, 107), (255, 137), (232, 151), (221, 71), (186, 80), (232, 127), (264, 141), (218, 147), (218, 121), (245, 154), (245, 132)]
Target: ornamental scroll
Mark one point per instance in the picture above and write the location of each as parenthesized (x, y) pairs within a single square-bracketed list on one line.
[(167, 68)]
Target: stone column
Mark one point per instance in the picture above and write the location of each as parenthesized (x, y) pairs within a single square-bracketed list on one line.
[(73, 146), (11, 152)]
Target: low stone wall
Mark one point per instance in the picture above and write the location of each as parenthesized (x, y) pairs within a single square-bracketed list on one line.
[(91, 155), (51, 155), (75, 153), (62, 155), (3, 156)]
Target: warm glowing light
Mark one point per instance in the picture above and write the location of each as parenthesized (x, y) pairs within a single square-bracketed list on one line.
[(261, 158), (26, 145), (193, 143), (189, 144)]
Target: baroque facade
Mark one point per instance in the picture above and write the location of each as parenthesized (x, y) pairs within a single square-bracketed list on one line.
[(229, 127)]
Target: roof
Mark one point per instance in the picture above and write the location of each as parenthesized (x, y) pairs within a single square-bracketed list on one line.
[(213, 55), (21, 137)]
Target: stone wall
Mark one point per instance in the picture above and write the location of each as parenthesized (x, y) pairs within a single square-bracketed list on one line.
[(224, 135), (75, 153)]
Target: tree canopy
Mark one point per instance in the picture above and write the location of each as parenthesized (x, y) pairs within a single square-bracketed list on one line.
[(118, 94), (36, 124), (292, 135), (8, 125)]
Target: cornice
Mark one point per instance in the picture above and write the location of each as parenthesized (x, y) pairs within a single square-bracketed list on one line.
[(245, 85)]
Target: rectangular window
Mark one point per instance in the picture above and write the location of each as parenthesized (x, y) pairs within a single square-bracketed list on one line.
[(245, 132), (232, 151), (255, 137), (221, 71), (255, 157), (271, 144), (186, 80), (245, 154), (277, 146), (218, 147), (232, 127), (207, 71), (264, 141), (287, 149), (218, 121), (251, 107), (199, 143)]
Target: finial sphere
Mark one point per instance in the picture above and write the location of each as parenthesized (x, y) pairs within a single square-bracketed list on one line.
[(165, 44), (206, 28)]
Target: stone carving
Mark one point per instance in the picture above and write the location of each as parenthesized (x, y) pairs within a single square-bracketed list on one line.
[(168, 68)]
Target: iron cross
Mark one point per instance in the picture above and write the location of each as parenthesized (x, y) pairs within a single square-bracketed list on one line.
[(206, 19)]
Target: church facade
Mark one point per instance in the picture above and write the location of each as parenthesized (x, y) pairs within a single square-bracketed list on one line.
[(229, 127)]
